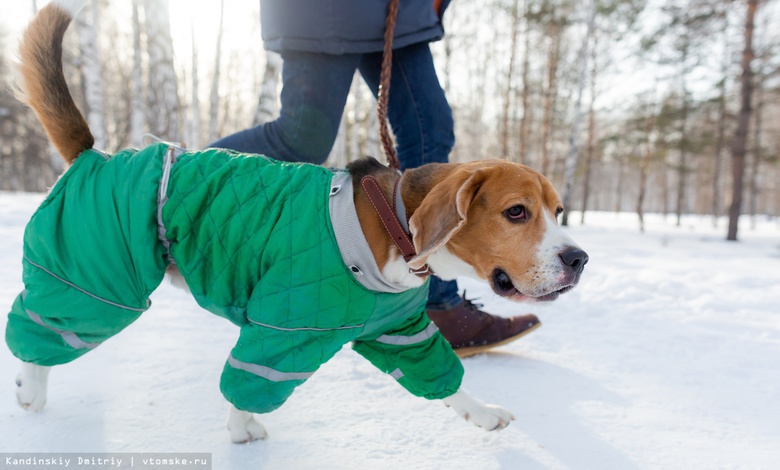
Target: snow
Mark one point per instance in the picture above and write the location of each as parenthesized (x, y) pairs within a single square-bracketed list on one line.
[(666, 356)]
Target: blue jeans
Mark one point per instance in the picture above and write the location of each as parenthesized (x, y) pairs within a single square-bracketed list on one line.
[(314, 92)]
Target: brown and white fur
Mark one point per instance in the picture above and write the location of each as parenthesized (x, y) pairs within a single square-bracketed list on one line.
[(493, 220)]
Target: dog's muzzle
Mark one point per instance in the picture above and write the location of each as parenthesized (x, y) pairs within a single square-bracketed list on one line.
[(573, 261)]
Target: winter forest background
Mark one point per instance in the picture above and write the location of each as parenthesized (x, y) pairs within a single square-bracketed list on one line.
[(666, 355), (663, 106)]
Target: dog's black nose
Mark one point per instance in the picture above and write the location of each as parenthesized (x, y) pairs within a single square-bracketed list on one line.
[(575, 259)]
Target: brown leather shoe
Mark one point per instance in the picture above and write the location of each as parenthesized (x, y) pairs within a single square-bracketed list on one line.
[(471, 331)]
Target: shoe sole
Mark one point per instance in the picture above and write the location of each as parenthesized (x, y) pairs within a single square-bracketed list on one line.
[(473, 350)]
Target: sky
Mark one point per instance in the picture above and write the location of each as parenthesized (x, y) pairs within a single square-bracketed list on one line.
[(239, 16)]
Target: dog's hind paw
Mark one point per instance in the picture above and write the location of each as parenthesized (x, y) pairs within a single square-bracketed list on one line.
[(252, 431), (243, 427), (31, 385)]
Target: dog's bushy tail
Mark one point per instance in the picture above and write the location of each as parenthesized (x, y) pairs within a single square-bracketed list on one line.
[(43, 85)]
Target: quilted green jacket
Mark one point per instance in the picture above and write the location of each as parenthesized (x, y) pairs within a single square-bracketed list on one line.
[(257, 243)]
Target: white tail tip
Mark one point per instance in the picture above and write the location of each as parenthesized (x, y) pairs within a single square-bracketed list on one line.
[(71, 6)]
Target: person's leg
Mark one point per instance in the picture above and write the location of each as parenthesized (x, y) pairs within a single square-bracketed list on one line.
[(314, 91), (418, 109), (422, 122)]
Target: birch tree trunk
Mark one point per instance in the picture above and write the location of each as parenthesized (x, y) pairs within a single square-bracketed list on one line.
[(721, 139), (552, 72), (523, 154), (91, 71), (571, 157), (193, 139), (644, 168), (509, 74), (338, 153), (776, 206), (372, 144), (353, 135), (755, 163), (665, 187), (228, 105), (267, 105), (448, 46), (138, 106), (740, 137), (591, 133), (682, 170), (214, 98), (163, 97)]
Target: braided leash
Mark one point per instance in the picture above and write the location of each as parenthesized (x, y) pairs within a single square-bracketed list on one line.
[(388, 215), (384, 87)]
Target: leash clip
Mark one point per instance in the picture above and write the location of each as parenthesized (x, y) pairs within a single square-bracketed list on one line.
[(424, 270)]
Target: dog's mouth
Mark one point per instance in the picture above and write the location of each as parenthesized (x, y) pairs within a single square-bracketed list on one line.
[(502, 285)]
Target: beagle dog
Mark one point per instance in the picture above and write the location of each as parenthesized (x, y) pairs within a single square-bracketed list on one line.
[(492, 220)]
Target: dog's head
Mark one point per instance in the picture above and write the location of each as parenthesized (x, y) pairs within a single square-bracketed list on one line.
[(497, 221)]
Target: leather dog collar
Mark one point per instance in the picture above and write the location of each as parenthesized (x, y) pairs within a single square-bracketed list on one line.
[(390, 220)]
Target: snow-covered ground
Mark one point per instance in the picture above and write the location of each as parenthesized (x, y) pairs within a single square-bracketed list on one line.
[(666, 356)]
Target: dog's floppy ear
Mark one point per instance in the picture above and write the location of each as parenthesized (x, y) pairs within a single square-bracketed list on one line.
[(443, 212)]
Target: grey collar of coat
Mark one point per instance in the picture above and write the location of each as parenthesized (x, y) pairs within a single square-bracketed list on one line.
[(353, 245)]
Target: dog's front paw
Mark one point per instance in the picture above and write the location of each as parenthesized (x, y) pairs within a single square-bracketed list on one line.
[(488, 417), (243, 427), (31, 386)]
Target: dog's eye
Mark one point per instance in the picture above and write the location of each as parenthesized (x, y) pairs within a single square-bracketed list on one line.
[(516, 213)]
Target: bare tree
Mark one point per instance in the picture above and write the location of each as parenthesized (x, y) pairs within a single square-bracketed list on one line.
[(683, 130), (267, 107), (357, 118), (553, 59), (92, 71), (776, 203), (739, 143), (338, 153), (524, 120), (25, 154), (163, 96), (721, 138), (193, 129), (764, 77), (590, 146), (214, 103), (755, 163), (138, 106), (371, 144), (620, 182), (572, 157), (644, 166), (509, 75), (679, 39)]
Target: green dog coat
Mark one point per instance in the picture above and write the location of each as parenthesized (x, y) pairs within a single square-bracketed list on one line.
[(275, 248)]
